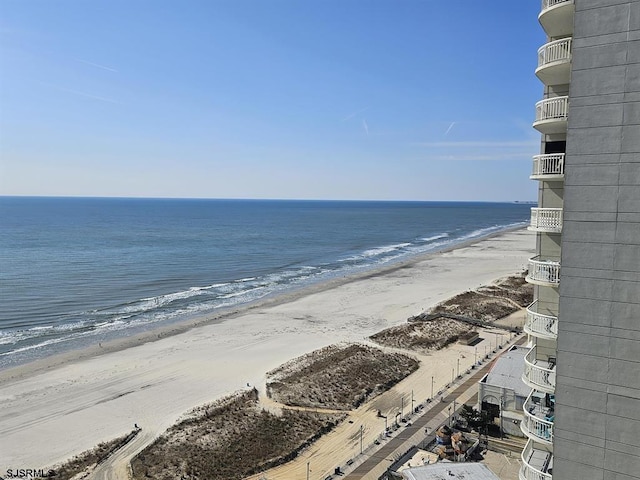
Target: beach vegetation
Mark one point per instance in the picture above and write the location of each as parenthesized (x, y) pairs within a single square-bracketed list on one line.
[(84, 463), (489, 303), (423, 336), (230, 440), (339, 377)]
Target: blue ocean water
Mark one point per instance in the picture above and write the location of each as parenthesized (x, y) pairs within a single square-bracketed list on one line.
[(77, 271)]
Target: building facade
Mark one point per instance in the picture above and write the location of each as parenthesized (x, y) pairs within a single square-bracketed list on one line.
[(502, 393), (583, 414)]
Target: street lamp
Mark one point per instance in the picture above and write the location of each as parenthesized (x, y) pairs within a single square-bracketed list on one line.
[(431, 386), (501, 409)]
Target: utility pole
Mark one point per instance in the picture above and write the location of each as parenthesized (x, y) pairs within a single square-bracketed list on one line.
[(432, 386), (412, 409), (402, 408), (454, 408), (458, 367), (452, 375), (360, 439), (308, 470), (501, 408)]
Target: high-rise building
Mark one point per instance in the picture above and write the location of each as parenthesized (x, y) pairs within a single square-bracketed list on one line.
[(583, 414)]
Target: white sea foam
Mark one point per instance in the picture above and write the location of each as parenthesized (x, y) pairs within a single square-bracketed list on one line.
[(242, 292), (435, 237), (377, 251), (208, 287), (481, 232)]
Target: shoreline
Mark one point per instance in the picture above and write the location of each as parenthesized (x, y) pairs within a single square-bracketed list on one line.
[(54, 408), (225, 314)]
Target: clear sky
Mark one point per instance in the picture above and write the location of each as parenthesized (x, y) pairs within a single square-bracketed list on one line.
[(322, 99)]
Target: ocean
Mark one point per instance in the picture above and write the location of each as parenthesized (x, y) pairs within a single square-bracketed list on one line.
[(79, 271)]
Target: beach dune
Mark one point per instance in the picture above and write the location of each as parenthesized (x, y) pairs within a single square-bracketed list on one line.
[(50, 411)]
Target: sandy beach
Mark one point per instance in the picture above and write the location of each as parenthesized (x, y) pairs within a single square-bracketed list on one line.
[(51, 410)]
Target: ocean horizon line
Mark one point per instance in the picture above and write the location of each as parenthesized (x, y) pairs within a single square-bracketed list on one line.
[(261, 199)]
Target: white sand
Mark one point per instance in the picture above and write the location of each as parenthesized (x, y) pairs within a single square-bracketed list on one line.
[(49, 414)]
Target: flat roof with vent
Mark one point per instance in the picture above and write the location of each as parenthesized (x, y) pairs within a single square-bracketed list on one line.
[(450, 471)]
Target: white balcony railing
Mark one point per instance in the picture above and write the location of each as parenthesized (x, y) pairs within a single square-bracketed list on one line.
[(543, 272), (535, 463), (546, 220), (537, 422), (539, 324), (552, 3), (550, 165), (539, 374), (551, 115), (556, 17), (556, 51), (555, 108)]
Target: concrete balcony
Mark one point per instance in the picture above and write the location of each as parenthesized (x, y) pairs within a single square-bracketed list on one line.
[(537, 423), (543, 272), (537, 463), (539, 373), (539, 324), (551, 115), (546, 220), (548, 167), (554, 62), (556, 17)]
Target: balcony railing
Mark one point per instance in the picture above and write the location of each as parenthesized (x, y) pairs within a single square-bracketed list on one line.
[(552, 3), (554, 62), (537, 422), (546, 220), (539, 324), (539, 373), (555, 108), (549, 166), (556, 51), (536, 463), (543, 272), (551, 115), (556, 17)]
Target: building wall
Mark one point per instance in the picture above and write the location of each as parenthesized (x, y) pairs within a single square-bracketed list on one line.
[(512, 407), (597, 427)]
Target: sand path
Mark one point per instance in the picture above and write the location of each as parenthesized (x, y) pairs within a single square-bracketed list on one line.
[(48, 415)]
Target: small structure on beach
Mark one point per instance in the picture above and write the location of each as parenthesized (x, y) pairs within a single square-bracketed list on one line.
[(470, 338)]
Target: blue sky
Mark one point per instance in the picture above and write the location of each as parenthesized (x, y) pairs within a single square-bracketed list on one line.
[(321, 99)]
